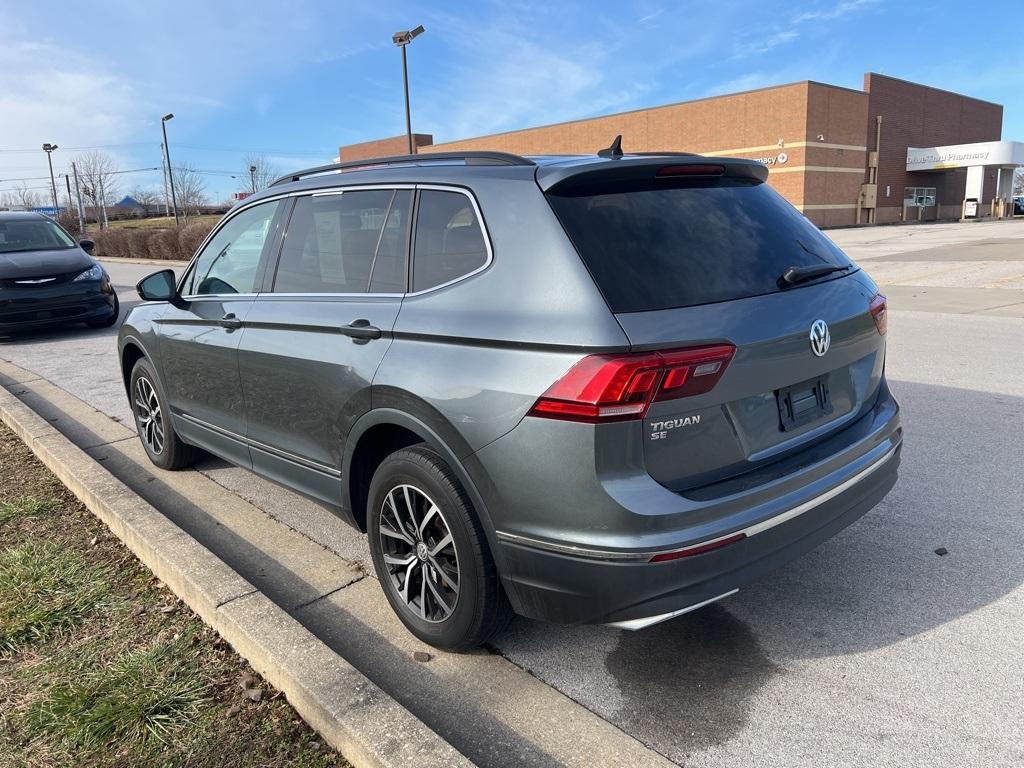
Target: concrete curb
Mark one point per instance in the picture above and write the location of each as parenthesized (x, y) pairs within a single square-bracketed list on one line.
[(352, 714), (154, 262)]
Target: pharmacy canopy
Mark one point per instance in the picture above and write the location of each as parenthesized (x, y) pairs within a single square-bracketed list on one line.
[(1005, 154)]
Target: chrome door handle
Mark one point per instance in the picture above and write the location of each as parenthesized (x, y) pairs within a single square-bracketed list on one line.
[(229, 321), (361, 330)]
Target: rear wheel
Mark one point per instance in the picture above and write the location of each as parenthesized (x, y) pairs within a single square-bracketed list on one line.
[(430, 552), (152, 419)]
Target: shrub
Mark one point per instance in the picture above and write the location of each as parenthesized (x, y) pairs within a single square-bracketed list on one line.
[(138, 244), (190, 236), (163, 244), (112, 243), (173, 244)]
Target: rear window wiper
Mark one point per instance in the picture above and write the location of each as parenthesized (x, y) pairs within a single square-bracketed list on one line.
[(795, 275)]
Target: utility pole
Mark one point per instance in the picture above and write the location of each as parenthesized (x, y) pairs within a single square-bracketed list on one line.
[(67, 182), (78, 194), (170, 168), (48, 148), (252, 177)]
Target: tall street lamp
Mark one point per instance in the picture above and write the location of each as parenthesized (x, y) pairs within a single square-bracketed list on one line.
[(167, 157), (48, 148), (402, 39)]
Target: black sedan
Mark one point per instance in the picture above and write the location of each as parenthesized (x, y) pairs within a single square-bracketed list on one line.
[(46, 278)]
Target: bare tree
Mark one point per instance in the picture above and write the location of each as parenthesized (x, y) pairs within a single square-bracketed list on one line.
[(259, 172), (190, 191), (22, 197), (149, 199), (95, 173), (1018, 182)]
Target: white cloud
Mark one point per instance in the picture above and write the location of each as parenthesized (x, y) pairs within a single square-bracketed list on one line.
[(837, 11)]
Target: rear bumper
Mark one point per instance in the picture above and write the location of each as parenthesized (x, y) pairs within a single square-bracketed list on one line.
[(609, 578), (66, 303), (561, 588)]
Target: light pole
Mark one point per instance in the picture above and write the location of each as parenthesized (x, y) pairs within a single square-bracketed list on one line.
[(48, 148), (402, 39), (252, 176), (167, 158)]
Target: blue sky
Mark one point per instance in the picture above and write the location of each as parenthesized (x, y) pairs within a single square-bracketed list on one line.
[(294, 80)]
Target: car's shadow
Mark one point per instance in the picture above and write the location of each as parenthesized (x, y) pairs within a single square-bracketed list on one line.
[(877, 583)]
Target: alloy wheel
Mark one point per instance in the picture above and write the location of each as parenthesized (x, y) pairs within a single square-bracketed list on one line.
[(419, 553), (148, 415)]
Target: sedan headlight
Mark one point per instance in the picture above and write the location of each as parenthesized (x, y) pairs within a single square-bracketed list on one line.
[(95, 272)]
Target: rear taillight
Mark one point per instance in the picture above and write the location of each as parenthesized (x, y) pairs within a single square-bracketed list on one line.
[(880, 313), (698, 549), (602, 388)]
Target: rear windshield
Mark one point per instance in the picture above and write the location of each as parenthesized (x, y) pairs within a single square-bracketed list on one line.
[(657, 248)]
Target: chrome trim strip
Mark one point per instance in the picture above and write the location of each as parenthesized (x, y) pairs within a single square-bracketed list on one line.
[(309, 463), (650, 621), (753, 530)]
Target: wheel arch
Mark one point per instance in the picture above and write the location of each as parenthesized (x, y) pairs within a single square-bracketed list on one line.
[(368, 445), (132, 350)]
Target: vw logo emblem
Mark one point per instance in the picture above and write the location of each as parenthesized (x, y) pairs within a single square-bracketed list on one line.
[(820, 338)]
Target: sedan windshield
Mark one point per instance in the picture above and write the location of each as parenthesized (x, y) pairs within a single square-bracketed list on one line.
[(32, 235)]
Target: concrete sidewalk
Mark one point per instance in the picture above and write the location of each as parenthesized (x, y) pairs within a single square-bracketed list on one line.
[(480, 705)]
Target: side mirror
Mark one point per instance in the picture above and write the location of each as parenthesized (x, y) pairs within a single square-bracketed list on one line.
[(158, 287), (87, 245)]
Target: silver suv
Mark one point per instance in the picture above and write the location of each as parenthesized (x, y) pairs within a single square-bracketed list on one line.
[(607, 388)]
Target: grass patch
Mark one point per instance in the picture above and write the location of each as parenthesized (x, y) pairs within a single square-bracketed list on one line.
[(101, 666), (47, 590), (24, 508), (140, 701)]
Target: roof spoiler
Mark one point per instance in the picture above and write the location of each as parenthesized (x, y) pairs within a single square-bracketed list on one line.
[(645, 167)]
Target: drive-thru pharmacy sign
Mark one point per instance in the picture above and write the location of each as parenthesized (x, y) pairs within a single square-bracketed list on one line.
[(1002, 153)]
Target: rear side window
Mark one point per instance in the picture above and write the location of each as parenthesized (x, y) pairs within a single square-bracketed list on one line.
[(449, 241), (354, 242), (657, 248)]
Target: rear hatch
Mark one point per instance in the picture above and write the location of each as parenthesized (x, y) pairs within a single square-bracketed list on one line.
[(699, 258)]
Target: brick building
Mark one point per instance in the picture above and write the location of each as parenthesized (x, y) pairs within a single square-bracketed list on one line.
[(818, 141)]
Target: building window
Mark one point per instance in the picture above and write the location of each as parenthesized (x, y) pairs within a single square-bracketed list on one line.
[(918, 197)]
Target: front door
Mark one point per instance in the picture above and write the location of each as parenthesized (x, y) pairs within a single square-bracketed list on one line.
[(315, 337), (199, 337)]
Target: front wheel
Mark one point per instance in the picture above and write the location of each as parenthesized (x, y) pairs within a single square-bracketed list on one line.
[(430, 553), (153, 421)]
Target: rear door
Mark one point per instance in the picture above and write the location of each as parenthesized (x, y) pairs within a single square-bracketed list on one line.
[(199, 338), (699, 261), (316, 335)]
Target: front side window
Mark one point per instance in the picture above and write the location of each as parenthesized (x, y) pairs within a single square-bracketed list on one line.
[(32, 235), (229, 261), (352, 242), (449, 241)]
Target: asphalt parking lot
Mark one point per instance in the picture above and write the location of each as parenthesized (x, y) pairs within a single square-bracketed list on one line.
[(872, 650)]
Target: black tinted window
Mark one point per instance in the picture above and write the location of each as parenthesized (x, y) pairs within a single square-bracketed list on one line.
[(335, 242), (660, 248), (449, 241), (32, 235), (228, 262)]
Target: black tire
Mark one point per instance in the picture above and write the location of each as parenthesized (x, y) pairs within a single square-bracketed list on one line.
[(167, 452), (480, 609), (107, 321)]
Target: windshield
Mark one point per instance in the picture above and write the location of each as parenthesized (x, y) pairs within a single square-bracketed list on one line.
[(32, 235), (652, 248)]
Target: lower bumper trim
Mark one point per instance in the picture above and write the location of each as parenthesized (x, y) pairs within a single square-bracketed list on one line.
[(650, 621)]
